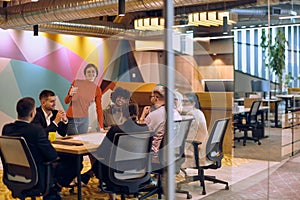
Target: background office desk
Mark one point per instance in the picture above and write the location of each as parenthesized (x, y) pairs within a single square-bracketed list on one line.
[(262, 110), (242, 109), (274, 106), (288, 98), (89, 141)]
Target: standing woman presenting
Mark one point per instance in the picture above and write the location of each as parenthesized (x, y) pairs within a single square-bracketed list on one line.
[(81, 95)]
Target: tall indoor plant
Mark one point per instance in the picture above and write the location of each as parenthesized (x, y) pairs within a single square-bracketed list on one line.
[(274, 53)]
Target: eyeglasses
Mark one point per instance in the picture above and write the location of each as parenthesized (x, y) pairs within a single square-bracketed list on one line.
[(151, 96), (185, 101)]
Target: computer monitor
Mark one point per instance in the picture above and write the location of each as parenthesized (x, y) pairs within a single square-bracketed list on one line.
[(218, 86), (260, 86)]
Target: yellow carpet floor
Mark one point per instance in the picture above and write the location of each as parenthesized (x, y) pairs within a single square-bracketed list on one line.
[(91, 192)]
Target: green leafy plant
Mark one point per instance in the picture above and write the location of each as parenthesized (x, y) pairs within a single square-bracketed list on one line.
[(288, 78), (274, 54)]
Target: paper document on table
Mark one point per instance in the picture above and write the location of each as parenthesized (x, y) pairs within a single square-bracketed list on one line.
[(94, 138)]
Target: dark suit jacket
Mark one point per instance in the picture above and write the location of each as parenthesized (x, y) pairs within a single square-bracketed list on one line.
[(103, 151), (40, 120), (66, 171), (37, 140)]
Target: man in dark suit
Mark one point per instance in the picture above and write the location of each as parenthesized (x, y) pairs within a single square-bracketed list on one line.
[(36, 138), (48, 117), (52, 120)]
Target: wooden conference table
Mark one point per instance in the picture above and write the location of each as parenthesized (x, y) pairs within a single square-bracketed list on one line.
[(79, 145)]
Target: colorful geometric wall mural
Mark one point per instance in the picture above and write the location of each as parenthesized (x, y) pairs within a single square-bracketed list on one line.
[(29, 64), (123, 66)]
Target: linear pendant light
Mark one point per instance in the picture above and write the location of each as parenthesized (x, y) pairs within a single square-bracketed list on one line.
[(121, 7)]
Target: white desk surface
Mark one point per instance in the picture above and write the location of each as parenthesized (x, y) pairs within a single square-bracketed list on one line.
[(288, 96), (242, 109), (264, 100)]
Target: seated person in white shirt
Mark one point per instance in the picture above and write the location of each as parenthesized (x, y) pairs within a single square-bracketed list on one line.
[(48, 117), (52, 120), (154, 117)]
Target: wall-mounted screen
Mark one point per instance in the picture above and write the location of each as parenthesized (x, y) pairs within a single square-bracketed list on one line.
[(218, 86), (259, 86)]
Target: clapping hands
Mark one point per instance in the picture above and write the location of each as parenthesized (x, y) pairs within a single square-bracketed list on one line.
[(61, 116)]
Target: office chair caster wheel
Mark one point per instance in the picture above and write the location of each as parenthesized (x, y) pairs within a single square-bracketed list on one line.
[(203, 192), (189, 196), (226, 187), (258, 143)]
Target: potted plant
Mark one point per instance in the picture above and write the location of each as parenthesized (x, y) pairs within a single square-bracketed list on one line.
[(275, 56), (288, 79)]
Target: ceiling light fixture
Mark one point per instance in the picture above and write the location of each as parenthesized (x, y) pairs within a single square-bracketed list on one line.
[(290, 17), (35, 30), (225, 25), (149, 23), (292, 14), (121, 7), (213, 18)]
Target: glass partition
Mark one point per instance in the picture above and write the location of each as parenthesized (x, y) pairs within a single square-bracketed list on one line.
[(258, 51), (228, 55)]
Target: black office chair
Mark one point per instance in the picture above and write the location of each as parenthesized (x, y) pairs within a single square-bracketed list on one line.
[(214, 155), (181, 130), (20, 173), (251, 124), (129, 165)]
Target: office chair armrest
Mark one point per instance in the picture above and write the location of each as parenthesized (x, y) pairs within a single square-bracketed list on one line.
[(51, 161), (196, 150), (194, 142), (49, 165), (239, 117), (241, 114), (99, 174)]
